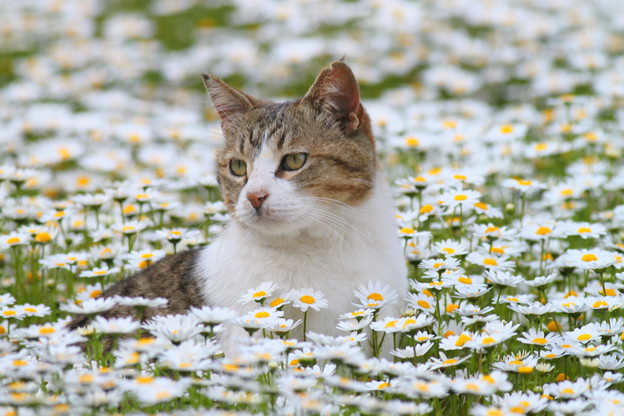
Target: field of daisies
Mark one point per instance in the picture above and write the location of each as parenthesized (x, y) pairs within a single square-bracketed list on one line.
[(501, 128)]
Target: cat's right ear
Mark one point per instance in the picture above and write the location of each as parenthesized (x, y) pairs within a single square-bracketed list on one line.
[(228, 101)]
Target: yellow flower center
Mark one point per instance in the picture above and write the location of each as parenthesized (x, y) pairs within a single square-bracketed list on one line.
[(276, 301), (406, 230), (425, 209), (506, 129), (46, 330), (307, 299), (460, 197), (262, 314), (481, 205), (583, 230), (86, 378), (543, 231), (43, 237), (589, 257), (412, 142), (490, 262), (423, 304), (540, 341), (13, 240), (584, 337), (259, 294), (465, 280), (463, 338), (375, 296), (145, 380)]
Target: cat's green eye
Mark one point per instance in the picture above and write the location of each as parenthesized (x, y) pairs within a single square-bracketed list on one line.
[(238, 167), (294, 161)]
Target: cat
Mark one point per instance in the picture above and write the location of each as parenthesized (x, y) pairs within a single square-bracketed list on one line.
[(309, 206)]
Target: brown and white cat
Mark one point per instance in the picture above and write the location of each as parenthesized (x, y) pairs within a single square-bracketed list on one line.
[(309, 207)]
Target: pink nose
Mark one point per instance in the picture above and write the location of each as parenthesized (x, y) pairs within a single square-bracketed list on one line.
[(257, 198)]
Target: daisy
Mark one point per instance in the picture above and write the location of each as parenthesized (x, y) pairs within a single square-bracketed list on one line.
[(90, 306), (450, 248), (491, 262), (583, 229), (259, 294), (411, 323), (503, 278), (375, 295), (12, 312), (457, 197), (435, 267), (444, 362), (421, 302), (481, 208), (587, 259), (491, 231), (541, 229), (212, 316), (567, 389), (124, 325), (305, 299), (129, 228), (585, 333), (188, 356), (6, 299), (535, 337), (141, 302), (351, 325), (270, 314), (389, 325), (36, 310), (540, 281), (283, 326), (523, 185), (14, 240), (410, 352), (175, 328), (99, 272), (358, 314)]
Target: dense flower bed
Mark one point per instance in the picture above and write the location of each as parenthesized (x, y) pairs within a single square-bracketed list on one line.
[(501, 128)]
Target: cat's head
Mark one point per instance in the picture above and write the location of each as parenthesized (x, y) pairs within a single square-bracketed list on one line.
[(286, 166)]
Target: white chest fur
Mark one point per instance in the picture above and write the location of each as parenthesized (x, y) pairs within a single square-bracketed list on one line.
[(335, 260)]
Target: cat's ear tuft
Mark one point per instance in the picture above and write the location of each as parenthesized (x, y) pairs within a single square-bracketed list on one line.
[(337, 91), (228, 101)]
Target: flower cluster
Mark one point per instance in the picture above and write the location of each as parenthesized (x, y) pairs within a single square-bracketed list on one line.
[(499, 124)]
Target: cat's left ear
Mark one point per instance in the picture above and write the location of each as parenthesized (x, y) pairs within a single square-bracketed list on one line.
[(337, 91)]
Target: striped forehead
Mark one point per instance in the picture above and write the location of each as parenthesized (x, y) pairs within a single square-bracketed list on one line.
[(270, 128)]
